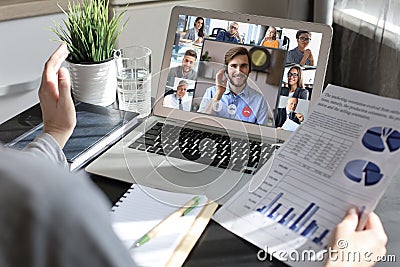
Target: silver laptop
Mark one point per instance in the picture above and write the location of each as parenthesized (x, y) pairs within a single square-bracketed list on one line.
[(214, 120)]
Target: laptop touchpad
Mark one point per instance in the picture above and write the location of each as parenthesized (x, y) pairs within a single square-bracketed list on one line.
[(183, 173), (184, 176)]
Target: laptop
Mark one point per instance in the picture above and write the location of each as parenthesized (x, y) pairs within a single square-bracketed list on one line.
[(212, 141)]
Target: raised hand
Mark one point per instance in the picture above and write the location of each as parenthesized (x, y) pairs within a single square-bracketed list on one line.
[(58, 109)]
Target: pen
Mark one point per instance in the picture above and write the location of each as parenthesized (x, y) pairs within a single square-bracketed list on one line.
[(182, 211)]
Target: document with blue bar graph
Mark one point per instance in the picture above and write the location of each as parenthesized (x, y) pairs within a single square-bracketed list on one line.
[(344, 155)]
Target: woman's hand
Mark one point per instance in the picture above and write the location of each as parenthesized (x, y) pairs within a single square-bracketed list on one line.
[(370, 242), (58, 110)]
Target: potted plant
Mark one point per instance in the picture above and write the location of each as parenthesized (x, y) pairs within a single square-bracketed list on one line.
[(91, 37)]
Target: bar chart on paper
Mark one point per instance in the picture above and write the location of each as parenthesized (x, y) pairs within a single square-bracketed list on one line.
[(295, 210), (303, 223)]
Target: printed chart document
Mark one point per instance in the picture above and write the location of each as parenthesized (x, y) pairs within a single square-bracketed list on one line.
[(344, 155), (142, 208)]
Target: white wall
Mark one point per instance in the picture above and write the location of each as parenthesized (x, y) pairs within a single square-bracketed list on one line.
[(25, 46)]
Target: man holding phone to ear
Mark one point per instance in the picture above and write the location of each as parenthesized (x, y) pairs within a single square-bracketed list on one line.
[(232, 97)]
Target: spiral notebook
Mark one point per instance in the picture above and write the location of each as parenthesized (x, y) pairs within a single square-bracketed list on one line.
[(141, 208)]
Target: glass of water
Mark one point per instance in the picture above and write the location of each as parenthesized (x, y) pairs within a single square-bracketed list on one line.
[(134, 79)]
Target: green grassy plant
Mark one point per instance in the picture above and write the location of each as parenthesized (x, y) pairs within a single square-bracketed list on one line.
[(89, 33)]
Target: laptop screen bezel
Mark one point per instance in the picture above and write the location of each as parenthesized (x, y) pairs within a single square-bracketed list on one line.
[(209, 120)]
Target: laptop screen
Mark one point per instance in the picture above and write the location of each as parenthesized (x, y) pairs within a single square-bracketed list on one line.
[(261, 74)]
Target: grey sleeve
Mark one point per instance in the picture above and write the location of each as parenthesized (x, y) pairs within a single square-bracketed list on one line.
[(44, 145), (290, 58)]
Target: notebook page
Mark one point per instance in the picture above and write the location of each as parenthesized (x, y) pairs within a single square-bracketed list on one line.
[(141, 209)]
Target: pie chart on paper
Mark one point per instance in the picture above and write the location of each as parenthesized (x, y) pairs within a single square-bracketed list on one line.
[(380, 138), (363, 171)]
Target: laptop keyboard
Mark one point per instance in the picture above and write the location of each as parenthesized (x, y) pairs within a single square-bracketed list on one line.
[(205, 147)]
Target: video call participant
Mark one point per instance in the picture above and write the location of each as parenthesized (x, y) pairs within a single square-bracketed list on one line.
[(232, 35), (196, 34), (232, 97), (269, 39), (295, 84), (186, 70), (288, 112), (301, 54), (179, 99)]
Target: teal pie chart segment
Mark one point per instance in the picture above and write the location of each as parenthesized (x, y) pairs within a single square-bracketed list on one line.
[(378, 138), (362, 170)]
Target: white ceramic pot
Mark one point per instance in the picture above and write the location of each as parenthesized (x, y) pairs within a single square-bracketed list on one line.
[(94, 83)]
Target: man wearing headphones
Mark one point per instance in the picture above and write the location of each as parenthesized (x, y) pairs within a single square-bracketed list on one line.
[(232, 97)]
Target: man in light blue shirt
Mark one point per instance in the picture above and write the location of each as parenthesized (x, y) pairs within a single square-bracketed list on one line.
[(232, 97)]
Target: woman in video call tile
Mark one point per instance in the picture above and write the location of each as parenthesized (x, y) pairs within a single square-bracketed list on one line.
[(301, 54), (295, 84), (196, 33), (269, 39)]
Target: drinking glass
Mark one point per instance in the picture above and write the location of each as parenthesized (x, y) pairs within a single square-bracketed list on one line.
[(134, 79)]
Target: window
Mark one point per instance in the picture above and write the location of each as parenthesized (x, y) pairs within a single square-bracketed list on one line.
[(376, 19)]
